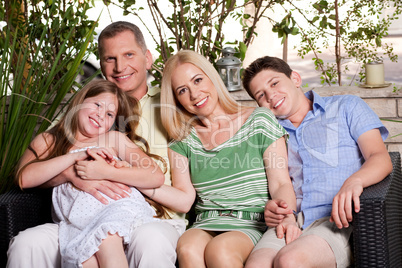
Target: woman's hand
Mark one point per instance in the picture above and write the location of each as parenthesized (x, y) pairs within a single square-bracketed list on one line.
[(289, 229)]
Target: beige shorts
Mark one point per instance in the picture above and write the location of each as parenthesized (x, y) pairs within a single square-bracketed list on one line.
[(338, 239)]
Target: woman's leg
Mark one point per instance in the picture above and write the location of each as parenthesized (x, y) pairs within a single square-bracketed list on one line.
[(111, 253), (229, 249), (191, 248)]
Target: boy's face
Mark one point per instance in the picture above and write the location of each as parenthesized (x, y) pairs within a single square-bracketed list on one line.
[(276, 92)]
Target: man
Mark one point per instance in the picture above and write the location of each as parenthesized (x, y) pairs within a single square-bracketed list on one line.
[(335, 150), (124, 60)]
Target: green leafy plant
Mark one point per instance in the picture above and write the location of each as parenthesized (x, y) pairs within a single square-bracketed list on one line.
[(38, 68), (196, 25), (353, 30)]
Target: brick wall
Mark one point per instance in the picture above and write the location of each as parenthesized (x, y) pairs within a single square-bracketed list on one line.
[(383, 101)]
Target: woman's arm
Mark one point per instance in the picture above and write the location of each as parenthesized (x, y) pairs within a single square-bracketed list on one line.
[(181, 195), (38, 173), (280, 186)]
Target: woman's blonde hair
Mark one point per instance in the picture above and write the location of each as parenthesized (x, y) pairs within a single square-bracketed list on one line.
[(176, 120), (62, 135)]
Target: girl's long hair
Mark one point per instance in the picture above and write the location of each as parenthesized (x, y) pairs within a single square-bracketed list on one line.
[(62, 135)]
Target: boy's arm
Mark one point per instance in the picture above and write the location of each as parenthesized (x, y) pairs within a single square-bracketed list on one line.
[(376, 167)]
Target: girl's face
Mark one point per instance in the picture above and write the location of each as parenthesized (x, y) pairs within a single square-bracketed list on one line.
[(97, 115), (194, 90)]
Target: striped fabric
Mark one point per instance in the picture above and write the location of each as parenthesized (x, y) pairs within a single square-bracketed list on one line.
[(231, 176)]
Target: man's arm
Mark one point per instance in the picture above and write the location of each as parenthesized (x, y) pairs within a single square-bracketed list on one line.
[(376, 167)]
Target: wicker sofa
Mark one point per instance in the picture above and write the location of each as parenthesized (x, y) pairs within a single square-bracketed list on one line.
[(377, 235)]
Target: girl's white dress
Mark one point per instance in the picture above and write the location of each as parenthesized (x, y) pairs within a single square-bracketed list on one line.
[(84, 221)]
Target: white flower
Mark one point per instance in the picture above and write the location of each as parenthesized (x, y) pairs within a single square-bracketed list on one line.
[(2, 25)]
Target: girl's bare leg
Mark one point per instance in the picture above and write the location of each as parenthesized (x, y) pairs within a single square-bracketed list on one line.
[(111, 253), (191, 248), (91, 263), (229, 249)]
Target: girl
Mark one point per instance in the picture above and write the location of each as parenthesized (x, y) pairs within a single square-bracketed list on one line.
[(92, 234), (230, 159)]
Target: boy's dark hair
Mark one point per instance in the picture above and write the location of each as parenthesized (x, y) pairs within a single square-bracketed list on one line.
[(264, 63)]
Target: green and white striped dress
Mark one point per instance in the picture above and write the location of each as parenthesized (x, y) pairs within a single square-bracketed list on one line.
[(230, 179)]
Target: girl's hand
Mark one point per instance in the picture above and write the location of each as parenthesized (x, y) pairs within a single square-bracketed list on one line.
[(122, 164), (80, 156), (102, 152), (97, 168)]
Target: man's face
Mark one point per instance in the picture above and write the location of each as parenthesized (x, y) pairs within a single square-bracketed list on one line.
[(124, 63), (277, 92)]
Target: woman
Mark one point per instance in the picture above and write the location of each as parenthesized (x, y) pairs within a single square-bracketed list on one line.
[(224, 156)]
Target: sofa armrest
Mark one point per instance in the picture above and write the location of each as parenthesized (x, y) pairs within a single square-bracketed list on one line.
[(377, 234), (20, 210)]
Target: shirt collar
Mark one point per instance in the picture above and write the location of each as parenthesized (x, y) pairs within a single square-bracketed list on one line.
[(151, 92), (318, 101)]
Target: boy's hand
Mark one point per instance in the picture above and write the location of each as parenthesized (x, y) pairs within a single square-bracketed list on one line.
[(342, 203), (275, 211)]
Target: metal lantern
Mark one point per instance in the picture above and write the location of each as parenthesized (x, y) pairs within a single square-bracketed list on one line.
[(229, 69)]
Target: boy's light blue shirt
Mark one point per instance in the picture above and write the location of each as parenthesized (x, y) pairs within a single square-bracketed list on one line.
[(323, 150)]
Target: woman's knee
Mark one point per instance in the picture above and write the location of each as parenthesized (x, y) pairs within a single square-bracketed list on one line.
[(191, 245), (187, 247), (228, 251)]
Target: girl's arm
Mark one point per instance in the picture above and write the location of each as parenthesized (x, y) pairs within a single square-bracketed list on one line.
[(144, 173), (280, 186), (181, 195), (38, 173)]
